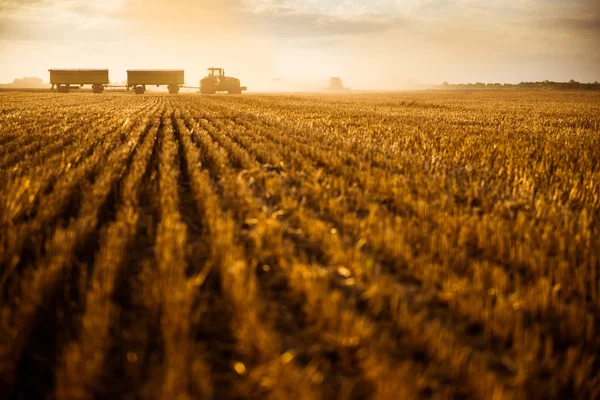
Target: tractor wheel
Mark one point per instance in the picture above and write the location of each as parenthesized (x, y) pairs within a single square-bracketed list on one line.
[(139, 90), (208, 88), (235, 91), (97, 88)]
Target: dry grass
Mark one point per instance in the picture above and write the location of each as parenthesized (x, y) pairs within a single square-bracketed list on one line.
[(425, 245)]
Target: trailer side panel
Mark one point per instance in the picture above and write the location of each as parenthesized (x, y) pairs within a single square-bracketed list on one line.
[(155, 77), (79, 76)]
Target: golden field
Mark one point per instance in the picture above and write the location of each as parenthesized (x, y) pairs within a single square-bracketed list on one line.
[(385, 246)]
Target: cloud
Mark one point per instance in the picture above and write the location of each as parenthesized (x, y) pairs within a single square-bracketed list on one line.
[(14, 4), (58, 20), (462, 22), (310, 24), (411, 37), (577, 24), (258, 17), (90, 9)]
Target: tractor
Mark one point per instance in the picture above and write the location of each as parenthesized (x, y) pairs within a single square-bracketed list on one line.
[(216, 81)]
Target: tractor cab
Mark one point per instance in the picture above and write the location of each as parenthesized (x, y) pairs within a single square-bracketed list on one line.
[(216, 72)]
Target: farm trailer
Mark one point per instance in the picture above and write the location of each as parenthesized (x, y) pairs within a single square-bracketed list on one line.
[(139, 78), (67, 79)]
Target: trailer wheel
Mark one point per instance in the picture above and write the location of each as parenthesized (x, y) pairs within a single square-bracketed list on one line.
[(140, 90), (97, 88), (63, 89), (173, 89)]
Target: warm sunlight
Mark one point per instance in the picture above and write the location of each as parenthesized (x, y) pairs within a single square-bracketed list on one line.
[(299, 199), (384, 45)]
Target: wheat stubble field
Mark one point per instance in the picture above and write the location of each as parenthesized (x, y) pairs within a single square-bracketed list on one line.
[(384, 246)]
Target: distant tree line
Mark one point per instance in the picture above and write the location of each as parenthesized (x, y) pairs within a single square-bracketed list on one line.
[(28, 82), (543, 85)]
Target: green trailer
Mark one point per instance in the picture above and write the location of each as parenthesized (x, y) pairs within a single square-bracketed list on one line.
[(138, 79), (67, 79)]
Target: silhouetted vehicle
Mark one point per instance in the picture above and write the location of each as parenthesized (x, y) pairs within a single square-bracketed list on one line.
[(335, 84), (138, 79), (216, 81), (67, 79)]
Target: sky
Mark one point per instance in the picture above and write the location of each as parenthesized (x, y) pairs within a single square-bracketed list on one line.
[(284, 44)]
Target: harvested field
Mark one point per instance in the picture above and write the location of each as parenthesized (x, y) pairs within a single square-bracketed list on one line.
[(384, 246)]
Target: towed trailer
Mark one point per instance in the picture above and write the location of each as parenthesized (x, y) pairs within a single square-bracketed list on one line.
[(138, 79), (67, 79)]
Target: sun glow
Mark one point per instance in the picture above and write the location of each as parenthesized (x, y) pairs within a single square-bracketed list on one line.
[(301, 44)]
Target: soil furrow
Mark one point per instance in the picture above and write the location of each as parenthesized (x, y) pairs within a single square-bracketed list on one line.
[(130, 366), (327, 249), (256, 343), (83, 360), (360, 246), (21, 244), (69, 253)]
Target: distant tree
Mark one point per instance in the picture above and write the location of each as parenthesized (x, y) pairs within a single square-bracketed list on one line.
[(28, 82), (539, 85), (335, 83)]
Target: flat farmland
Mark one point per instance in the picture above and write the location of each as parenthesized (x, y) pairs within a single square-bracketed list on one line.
[(360, 246)]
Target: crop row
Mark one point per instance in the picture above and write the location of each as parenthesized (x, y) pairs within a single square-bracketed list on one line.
[(357, 246)]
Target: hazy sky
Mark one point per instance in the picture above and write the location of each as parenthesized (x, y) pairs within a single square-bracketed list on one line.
[(370, 44)]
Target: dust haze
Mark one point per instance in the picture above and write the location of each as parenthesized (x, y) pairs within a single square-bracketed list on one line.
[(279, 45)]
